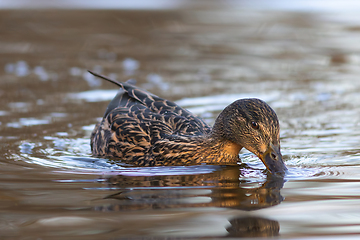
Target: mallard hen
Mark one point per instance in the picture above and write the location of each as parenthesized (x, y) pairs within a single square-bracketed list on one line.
[(143, 129)]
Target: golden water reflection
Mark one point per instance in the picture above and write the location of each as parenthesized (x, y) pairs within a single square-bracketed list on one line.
[(224, 189)]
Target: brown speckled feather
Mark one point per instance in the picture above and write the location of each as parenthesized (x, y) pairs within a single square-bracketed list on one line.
[(145, 129)]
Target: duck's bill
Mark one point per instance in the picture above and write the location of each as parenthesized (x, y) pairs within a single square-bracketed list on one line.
[(273, 161)]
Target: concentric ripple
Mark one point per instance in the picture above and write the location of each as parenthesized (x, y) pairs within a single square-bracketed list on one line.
[(73, 156)]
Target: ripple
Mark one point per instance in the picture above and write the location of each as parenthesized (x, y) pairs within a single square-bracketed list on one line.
[(199, 105), (94, 95), (300, 173), (304, 167), (90, 165), (65, 161), (74, 156), (27, 122)]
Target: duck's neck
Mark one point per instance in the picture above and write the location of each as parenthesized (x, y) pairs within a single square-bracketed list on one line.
[(189, 150), (218, 151), (217, 147)]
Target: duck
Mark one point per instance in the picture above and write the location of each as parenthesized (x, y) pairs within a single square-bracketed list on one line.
[(142, 129)]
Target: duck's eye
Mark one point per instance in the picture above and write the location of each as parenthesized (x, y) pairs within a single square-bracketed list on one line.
[(255, 125)]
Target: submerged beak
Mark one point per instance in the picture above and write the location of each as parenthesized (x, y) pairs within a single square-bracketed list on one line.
[(273, 161)]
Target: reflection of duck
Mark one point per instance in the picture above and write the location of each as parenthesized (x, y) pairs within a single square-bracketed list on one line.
[(221, 188), (147, 130), (247, 227)]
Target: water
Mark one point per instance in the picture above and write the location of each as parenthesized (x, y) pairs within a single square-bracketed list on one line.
[(304, 64)]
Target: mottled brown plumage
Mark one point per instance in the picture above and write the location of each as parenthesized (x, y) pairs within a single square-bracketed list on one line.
[(143, 129)]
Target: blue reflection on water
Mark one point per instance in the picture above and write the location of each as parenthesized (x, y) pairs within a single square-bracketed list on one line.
[(284, 5)]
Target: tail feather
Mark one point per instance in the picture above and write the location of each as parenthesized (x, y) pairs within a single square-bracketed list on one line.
[(130, 95)]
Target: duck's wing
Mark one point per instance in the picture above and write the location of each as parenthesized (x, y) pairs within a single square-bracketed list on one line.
[(134, 98)]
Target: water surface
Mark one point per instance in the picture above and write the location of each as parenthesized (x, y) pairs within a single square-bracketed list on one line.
[(304, 64)]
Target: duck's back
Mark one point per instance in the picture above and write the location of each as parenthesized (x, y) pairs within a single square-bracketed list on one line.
[(135, 124)]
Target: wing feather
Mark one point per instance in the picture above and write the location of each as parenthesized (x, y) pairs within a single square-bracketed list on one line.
[(140, 127)]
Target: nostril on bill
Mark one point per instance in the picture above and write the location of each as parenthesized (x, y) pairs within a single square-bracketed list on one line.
[(273, 156)]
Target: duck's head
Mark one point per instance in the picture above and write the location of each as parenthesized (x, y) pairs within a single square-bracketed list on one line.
[(253, 124)]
